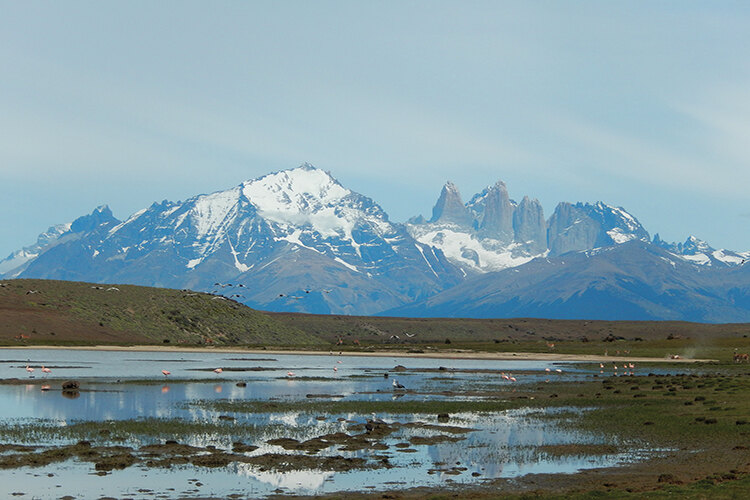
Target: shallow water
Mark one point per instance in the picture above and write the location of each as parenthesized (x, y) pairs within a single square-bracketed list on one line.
[(502, 445)]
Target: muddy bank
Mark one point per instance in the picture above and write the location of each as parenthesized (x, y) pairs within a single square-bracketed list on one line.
[(443, 354)]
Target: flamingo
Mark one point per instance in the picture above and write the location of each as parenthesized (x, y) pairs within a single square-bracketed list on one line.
[(166, 372), (46, 371), (397, 385), (512, 379), (558, 370), (218, 371), (547, 370), (290, 374), (335, 368), (30, 371)]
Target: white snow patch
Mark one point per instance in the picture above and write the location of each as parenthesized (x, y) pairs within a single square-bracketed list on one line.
[(130, 219), (346, 264), (425, 259), (732, 260), (294, 238), (699, 258), (212, 212), (619, 237), (669, 261), (456, 245), (308, 197), (237, 264)]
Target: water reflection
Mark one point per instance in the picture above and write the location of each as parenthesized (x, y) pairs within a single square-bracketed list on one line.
[(501, 444)]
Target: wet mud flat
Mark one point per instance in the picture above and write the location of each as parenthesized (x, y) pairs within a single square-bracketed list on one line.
[(697, 427), (683, 433)]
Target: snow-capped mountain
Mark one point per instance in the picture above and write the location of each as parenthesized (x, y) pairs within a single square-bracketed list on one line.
[(488, 233), (295, 240), (579, 227), (493, 232), (700, 252), (16, 261), (15, 264), (635, 280)]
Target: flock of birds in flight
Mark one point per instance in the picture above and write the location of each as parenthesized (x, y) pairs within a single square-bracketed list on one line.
[(219, 291)]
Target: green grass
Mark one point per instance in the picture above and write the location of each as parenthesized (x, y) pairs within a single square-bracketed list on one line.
[(149, 429), (164, 316)]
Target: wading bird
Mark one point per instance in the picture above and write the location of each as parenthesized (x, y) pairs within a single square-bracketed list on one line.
[(397, 385), (46, 370), (166, 372), (30, 371), (218, 371)]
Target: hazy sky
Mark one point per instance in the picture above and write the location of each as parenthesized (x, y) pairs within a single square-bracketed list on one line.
[(644, 105)]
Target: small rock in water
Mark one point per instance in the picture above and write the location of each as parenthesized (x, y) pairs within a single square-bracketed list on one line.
[(70, 385), (241, 384), (443, 417)]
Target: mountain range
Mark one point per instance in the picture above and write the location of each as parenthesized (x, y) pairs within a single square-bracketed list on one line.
[(297, 240)]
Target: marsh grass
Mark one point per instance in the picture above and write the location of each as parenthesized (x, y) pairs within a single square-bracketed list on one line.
[(134, 430)]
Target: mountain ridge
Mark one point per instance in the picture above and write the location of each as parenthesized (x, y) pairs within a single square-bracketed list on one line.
[(298, 240)]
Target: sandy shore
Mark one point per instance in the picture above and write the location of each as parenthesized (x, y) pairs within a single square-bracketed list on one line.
[(506, 356)]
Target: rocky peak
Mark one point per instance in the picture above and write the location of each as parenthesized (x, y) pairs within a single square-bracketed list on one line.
[(529, 226), (584, 226), (694, 245), (493, 211), (101, 215), (450, 207)]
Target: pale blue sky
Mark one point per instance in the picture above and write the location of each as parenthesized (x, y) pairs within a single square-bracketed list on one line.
[(645, 105)]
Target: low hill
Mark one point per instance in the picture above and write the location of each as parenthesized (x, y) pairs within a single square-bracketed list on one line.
[(59, 312), (471, 332)]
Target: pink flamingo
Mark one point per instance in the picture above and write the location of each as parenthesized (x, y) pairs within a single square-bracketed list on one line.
[(512, 379), (166, 372), (30, 371), (290, 374), (335, 369), (46, 371), (218, 371)]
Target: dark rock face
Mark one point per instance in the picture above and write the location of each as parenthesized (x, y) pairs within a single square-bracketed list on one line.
[(579, 227), (529, 227), (450, 207), (494, 213)]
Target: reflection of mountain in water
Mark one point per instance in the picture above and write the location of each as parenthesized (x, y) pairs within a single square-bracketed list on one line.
[(293, 480)]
